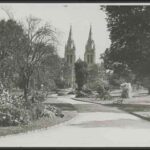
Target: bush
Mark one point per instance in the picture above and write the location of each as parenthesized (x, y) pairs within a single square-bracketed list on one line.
[(37, 96), (55, 110), (103, 90), (87, 91), (14, 110), (80, 94), (12, 113), (38, 109)]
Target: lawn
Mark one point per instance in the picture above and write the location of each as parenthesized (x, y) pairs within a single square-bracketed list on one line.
[(38, 124)]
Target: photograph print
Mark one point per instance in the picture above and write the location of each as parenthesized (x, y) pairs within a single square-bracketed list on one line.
[(74, 74)]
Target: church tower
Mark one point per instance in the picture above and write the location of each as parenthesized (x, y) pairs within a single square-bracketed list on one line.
[(70, 49), (89, 55), (70, 57)]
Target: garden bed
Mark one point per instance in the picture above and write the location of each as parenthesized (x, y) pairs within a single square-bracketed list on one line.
[(41, 123)]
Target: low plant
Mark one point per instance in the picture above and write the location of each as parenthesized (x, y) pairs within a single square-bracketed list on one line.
[(103, 90), (14, 110)]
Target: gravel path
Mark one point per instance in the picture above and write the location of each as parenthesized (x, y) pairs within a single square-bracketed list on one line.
[(95, 125)]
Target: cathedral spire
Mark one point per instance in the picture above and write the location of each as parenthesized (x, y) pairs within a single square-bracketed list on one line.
[(89, 55), (90, 33), (70, 43), (70, 34), (90, 42)]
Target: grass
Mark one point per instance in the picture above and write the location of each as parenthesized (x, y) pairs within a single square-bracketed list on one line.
[(38, 124), (67, 109), (132, 107)]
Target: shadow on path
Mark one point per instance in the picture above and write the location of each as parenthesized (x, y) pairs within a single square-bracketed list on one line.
[(122, 123)]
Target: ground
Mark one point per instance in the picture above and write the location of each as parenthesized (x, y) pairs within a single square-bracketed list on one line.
[(95, 125)]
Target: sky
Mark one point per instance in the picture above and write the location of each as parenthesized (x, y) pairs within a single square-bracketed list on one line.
[(61, 16)]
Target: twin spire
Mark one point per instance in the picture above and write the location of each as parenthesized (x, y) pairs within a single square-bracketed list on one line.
[(70, 33), (89, 55), (90, 42)]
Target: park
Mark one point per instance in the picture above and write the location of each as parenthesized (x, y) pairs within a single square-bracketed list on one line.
[(74, 100)]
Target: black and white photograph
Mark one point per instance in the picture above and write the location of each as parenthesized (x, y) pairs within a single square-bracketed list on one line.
[(74, 74)]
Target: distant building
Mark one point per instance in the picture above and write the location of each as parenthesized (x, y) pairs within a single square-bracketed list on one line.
[(70, 55), (70, 58), (89, 55)]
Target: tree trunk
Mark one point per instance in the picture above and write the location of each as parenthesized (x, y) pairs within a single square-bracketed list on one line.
[(149, 90), (26, 86), (26, 93)]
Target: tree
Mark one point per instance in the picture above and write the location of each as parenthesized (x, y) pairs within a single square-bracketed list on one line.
[(129, 28), (61, 79), (93, 75), (12, 38), (80, 73), (49, 71), (37, 45), (41, 41)]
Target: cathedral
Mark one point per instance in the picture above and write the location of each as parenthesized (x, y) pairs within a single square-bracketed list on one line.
[(70, 54)]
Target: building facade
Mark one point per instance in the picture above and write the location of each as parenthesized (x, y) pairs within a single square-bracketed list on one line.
[(89, 55), (70, 55), (70, 58)]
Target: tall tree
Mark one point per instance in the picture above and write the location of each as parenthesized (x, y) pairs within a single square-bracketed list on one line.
[(129, 28), (81, 73), (12, 39), (41, 40)]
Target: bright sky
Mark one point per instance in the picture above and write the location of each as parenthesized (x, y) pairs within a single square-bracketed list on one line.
[(80, 16)]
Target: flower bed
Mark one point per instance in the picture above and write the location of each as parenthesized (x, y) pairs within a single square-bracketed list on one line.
[(42, 123), (18, 115), (15, 110)]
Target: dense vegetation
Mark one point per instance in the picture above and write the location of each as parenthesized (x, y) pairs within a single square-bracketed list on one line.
[(129, 53), (30, 66)]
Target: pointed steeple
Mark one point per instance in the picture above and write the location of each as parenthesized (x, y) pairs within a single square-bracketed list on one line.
[(70, 34), (70, 43), (90, 42), (90, 34), (89, 55)]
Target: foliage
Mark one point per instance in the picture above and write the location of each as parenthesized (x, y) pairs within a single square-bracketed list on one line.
[(40, 46), (12, 109), (60, 83), (80, 73), (115, 79), (146, 83), (12, 38), (15, 110), (80, 94), (129, 29), (49, 73), (103, 90), (96, 72), (93, 75), (27, 53)]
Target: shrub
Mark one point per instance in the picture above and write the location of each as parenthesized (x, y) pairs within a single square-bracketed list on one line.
[(103, 90), (87, 91), (55, 110), (14, 110), (80, 94), (38, 109)]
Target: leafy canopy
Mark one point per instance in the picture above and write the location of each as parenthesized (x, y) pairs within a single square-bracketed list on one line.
[(129, 28)]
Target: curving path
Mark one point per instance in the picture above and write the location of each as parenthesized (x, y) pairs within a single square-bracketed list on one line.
[(95, 125)]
